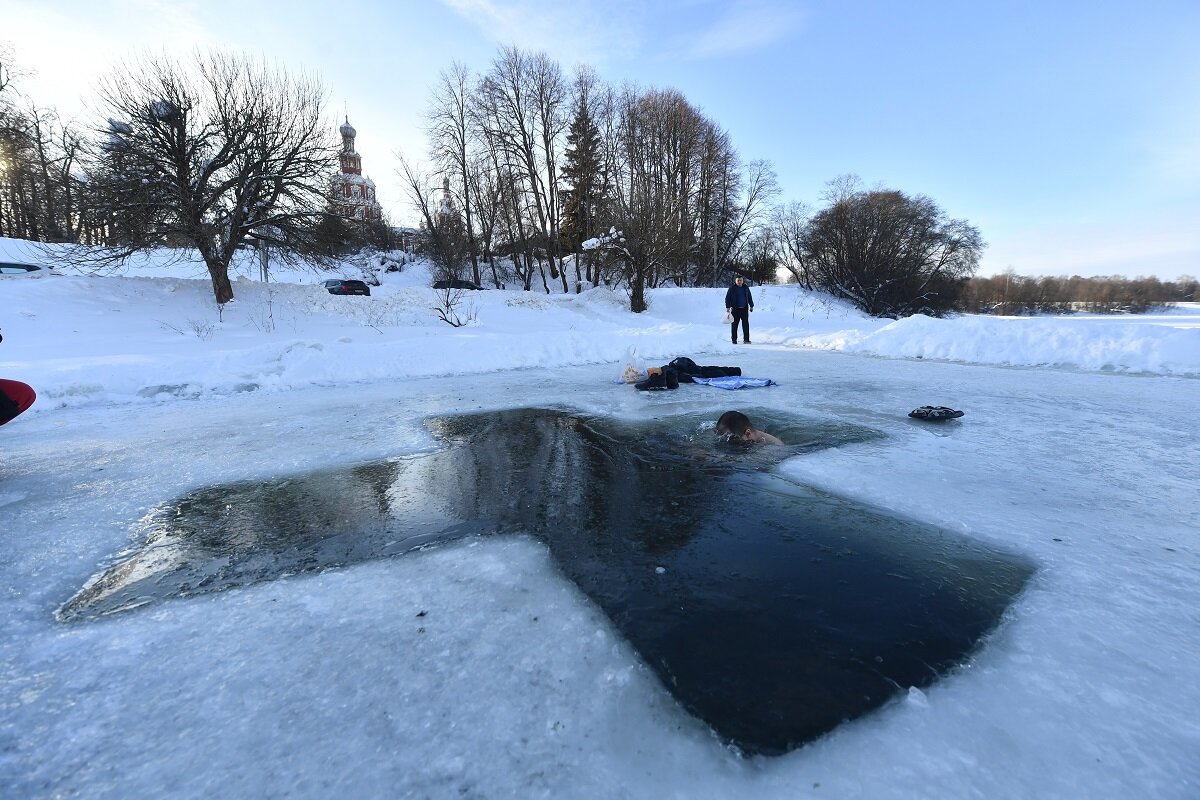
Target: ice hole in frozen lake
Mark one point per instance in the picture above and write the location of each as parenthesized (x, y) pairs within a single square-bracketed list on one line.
[(770, 610)]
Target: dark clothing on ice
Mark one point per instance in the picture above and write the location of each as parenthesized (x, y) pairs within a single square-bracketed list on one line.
[(688, 369)]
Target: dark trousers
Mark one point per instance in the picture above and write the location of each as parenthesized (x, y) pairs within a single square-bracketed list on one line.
[(742, 314)]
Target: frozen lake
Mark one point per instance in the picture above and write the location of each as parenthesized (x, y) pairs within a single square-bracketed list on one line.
[(476, 668)]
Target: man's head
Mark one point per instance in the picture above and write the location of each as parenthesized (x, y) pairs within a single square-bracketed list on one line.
[(738, 280), (734, 423)]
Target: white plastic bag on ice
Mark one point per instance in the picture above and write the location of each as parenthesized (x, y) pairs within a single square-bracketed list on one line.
[(632, 369)]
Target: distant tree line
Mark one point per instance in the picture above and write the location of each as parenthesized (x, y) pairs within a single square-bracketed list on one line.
[(41, 188), (1011, 294), (528, 163), (535, 178)]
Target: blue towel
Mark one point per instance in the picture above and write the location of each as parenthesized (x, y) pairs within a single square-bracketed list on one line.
[(736, 382)]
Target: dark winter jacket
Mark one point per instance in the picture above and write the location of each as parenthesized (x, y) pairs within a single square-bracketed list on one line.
[(739, 297)]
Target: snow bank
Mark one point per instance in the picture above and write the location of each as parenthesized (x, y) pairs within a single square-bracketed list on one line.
[(151, 330)]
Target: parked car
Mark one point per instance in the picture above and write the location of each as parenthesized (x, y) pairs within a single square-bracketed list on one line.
[(344, 286), (34, 270), (456, 284)]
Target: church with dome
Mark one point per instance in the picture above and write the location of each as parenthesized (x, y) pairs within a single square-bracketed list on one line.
[(354, 193)]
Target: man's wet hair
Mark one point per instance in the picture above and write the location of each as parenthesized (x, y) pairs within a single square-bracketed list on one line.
[(734, 422)]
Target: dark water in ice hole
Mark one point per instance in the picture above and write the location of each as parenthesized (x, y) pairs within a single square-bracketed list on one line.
[(778, 613)]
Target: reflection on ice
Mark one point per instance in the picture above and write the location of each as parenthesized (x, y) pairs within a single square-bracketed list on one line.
[(769, 610), (243, 533)]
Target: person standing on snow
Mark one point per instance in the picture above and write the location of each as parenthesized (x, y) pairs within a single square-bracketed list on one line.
[(739, 303)]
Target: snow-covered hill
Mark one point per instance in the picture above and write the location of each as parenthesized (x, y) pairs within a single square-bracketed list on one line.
[(152, 329)]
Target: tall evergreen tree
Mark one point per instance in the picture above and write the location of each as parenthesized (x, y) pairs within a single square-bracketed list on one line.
[(581, 173)]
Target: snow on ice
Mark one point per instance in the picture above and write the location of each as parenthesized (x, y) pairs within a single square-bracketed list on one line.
[(474, 668)]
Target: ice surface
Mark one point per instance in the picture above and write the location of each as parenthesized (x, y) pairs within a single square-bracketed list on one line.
[(784, 611), (325, 684)]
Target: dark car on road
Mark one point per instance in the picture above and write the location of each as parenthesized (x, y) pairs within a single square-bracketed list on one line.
[(456, 284), (344, 286)]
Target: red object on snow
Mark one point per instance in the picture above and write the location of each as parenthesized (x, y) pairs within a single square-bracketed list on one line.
[(19, 396)]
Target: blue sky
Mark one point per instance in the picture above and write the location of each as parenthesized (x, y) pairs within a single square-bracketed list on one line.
[(1068, 132)]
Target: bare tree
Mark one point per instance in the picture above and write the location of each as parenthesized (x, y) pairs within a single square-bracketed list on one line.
[(5, 66), (757, 257), (541, 164), (550, 94), (213, 155), (449, 127), (741, 218), (500, 112), (485, 189), (445, 235), (890, 254), (18, 200), (788, 223), (521, 110), (54, 149), (608, 120), (717, 184), (38, 188), (657, 196)]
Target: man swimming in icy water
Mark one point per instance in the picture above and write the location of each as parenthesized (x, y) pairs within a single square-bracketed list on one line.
[(737, 425)]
